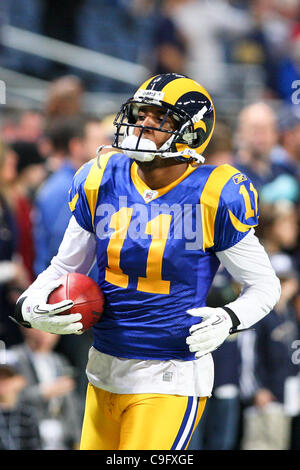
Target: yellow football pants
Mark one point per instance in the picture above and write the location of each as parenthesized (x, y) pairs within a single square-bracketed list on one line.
[(139, 422)]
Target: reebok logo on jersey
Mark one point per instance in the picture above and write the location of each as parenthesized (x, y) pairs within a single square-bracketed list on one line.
[(237, 179)]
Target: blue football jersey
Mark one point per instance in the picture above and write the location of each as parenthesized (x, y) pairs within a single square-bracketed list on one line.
[(156, 248)]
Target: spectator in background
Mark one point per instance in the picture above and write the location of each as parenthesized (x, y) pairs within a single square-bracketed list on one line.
[(50, 389), (52, 213), (267, 423), (256, 139), (295, 411), (18, 422), (259, 49), (31, 126), (287, 156), (289, 151), (97, 132), (220, 148), (203, 24), (288, 69), (256, 133), (169, 44), (13, 275), (30, 173), (9, 128), (278, 230), (278, 19), (278, 23), (27, 126), (64, 98)]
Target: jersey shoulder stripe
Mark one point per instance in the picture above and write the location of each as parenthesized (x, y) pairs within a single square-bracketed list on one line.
[(210, 199), (94, 179), (79, 176), (83, 194), (229, 207)]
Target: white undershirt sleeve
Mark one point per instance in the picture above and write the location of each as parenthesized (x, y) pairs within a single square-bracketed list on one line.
[(77, 253), (248, 263)]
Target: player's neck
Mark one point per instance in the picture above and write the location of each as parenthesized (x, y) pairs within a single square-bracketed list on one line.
[(159, 174)]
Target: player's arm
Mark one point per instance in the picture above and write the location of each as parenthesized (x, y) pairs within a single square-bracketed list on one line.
[(248, 264), (241, 253), (76, 254)]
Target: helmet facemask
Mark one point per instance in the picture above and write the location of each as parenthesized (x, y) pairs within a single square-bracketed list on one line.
[(140, 148), (177, 97)]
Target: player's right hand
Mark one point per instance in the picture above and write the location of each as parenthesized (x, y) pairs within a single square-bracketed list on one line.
[(33, 311)]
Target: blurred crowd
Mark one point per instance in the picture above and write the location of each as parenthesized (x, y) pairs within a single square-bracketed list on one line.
[(232, 47), (256, 396)]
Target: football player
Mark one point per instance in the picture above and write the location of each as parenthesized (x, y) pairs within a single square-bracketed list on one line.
[(159, 223)]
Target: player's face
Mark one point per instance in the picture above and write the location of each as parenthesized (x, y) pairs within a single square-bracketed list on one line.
[(153, 116)]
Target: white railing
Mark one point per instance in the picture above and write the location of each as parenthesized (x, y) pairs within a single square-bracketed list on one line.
[(24, 91), (75, 56), (245, 83)]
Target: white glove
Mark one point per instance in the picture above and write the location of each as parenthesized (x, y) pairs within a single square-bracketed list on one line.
[(37, 313), (211, 332)]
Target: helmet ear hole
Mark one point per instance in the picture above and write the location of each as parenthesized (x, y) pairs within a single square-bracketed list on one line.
[(189, 138), (199, 139), (193, 139)]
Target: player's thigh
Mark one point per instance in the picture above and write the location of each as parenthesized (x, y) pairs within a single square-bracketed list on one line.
[(99, 431), (160, 422)]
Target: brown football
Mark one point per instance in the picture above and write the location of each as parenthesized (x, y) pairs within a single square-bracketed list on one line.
[(86, 294)]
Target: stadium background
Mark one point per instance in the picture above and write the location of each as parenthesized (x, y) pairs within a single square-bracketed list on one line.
[(65, 68)]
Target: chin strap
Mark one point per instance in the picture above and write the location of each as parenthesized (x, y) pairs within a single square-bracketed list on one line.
[(99, 149), (182, 156), (185, 155)]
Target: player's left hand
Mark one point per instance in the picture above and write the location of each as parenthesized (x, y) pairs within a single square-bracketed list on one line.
[(211, 332)]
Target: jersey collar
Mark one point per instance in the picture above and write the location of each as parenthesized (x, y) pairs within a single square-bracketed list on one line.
[(149, 194)]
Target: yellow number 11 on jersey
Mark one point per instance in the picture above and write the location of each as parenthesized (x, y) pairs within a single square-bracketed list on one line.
[(244, 192), (158, 228)]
